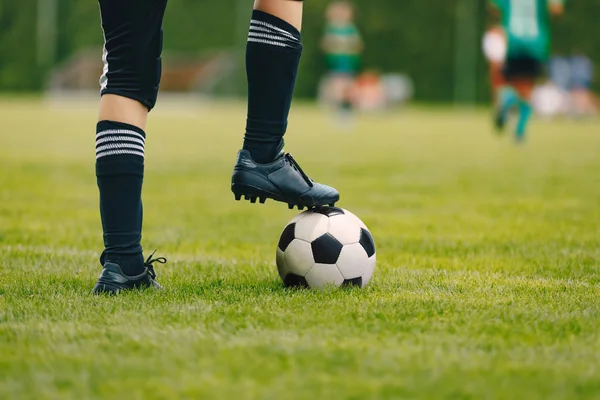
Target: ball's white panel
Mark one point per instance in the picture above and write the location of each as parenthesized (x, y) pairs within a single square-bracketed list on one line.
[(311, 226), (344, 228), (299, 216), (353, 261), (299, 258), (358, 220), (369, 269), (281, 267), (324, 275)]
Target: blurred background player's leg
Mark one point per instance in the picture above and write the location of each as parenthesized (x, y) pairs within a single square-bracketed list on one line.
[(520, 74), (507, 100), (272, 57), (524, 87), (503, 96), (132, 68), (494, 49)]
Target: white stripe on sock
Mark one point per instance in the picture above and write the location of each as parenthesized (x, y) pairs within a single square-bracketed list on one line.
[(261, 29), (120, 132), (265, 31), (273, 27), (118, 152), (118, 146), (109, 139), (268, 42), (269, 37)]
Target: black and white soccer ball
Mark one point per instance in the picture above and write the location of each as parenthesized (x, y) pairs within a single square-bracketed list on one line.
[(326, 247)]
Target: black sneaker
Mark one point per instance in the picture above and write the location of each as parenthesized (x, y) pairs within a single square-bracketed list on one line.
[(112, 279), (281, 180)]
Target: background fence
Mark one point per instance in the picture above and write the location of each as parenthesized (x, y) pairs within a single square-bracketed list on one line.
[(437, 43)]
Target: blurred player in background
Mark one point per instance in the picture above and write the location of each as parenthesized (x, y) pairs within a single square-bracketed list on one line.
[(526, 24), (584, 102), (552, 98), (343, 46), (568, 91), (129, 87), (494, 49)]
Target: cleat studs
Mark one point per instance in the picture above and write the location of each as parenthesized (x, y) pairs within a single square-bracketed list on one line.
[(291, 206), (300, 208), (263, 200), (331, 204), (253, 199), (238, 197)]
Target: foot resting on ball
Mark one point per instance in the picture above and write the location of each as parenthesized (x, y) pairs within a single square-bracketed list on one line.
[(112, 280), (281, 180)]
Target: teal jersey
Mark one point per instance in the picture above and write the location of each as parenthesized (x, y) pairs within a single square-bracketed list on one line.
[(344, 46), (527, 26)]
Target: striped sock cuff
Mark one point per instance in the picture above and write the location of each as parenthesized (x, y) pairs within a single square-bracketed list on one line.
[(270, 30), (116, 138)]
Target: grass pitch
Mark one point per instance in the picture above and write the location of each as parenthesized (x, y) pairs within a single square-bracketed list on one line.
[(487, 283)]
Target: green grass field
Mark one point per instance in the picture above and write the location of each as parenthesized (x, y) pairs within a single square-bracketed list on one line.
[(487, 283)]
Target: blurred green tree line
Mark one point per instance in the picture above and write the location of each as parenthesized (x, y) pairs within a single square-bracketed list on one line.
[(416, 37)]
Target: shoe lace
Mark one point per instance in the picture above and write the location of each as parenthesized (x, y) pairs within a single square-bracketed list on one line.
[(288, 157), (150, 261)]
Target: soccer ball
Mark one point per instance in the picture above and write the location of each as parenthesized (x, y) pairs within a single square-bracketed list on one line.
[(326, 247)]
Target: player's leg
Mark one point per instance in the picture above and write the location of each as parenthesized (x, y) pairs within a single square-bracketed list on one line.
[(132, 50), (524, 87), (496, 82), (519, 74), (272, 56), (508, 98), (525, 71)]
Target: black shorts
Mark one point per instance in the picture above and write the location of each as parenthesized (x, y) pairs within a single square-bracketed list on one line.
[(522, 67), (132, 48)]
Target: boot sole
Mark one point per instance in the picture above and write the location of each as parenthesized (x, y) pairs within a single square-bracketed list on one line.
[(252, 194)]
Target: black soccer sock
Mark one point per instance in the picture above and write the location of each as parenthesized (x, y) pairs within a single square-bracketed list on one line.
[(272, 56), (120, 173)]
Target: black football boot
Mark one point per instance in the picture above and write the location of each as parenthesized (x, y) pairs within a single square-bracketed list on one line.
[(112, 280), (281, 180)]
